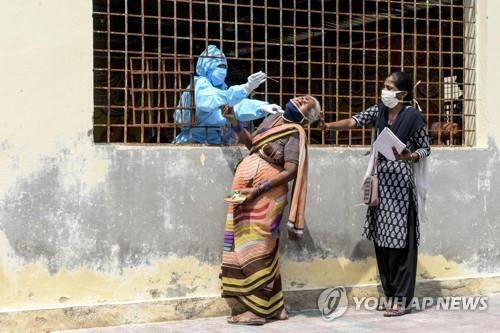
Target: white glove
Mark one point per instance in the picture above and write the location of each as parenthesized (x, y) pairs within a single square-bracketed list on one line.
[(271, 108), (254, 81)]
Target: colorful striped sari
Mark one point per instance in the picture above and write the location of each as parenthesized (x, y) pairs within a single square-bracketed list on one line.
[(250, 268), (250, 259)]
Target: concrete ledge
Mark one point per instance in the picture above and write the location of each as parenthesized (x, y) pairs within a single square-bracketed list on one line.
[(101, 315), (307, 299)]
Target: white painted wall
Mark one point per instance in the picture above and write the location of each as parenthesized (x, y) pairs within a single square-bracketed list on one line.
[(45, 82)]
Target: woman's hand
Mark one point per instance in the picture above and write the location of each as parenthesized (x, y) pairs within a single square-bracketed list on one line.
[(228, 113), (251, 193), (340, 124), (324, 126), (405, 155)]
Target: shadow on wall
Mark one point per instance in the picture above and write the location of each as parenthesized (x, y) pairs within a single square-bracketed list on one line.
[(233, 155)]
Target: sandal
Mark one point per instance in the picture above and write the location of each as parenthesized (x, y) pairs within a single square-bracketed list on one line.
[(238, 320)]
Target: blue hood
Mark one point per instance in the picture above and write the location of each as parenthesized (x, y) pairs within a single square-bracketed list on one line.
[(208, 62)]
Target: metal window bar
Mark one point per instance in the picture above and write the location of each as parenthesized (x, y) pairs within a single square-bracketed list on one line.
[(156, 88), (339, 51)]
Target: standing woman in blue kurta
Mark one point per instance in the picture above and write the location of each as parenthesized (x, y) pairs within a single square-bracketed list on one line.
[(393, 225)]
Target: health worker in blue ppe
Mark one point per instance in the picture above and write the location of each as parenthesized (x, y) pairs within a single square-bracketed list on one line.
[(210, 94)]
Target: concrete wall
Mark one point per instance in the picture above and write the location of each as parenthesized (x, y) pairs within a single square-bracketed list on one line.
[(82, 223)]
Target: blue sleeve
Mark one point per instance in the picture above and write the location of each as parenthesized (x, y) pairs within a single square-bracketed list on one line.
[(249, 109), (209, 98)]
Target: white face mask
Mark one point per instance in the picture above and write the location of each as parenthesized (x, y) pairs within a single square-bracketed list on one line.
[(389, 98)]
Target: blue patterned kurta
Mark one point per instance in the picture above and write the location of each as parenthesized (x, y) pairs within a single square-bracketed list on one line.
[(386, 224)]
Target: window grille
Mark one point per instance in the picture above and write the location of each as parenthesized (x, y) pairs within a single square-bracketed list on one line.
[(339, 51)]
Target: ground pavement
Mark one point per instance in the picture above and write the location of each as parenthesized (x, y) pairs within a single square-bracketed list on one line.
[(427, 321)]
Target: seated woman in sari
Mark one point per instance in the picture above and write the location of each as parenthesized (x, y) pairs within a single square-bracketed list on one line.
[(278, 154)]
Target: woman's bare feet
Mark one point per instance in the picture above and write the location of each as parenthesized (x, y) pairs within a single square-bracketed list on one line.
[(281, 314), (247, 318)]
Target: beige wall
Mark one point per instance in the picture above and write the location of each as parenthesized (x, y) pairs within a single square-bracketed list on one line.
[(46, 71), (46, 83)]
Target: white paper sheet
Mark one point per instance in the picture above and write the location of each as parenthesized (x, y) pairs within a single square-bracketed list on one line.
[(384, 143)]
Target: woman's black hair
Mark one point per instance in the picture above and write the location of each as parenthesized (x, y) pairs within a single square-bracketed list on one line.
[(403, 82)]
